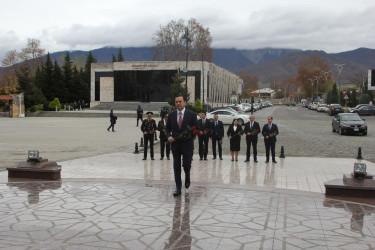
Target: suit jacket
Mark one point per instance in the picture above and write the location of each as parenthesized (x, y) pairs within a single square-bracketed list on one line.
[(266, 132), (203, 128), (256, 129), (217, 132), (160, 128), (232, 132), (172, 129)]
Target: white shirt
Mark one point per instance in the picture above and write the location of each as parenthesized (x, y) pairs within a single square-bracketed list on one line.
[(234, 128)]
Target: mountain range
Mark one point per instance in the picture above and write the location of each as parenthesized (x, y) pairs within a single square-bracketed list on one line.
[(268, 64)]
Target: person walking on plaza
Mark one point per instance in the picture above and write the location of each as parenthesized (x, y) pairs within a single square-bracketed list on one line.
[(163, 139), (112, 119), (204, 126), (234, 133), (148, 128), (269, 132), (252, 129), (139, 114), (179, 122), (217, 135)]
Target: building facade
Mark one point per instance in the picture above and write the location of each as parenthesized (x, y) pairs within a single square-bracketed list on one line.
[(150, 81)]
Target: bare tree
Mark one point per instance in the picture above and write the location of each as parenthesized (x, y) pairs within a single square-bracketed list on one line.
[(32, 51), (171, 44), (11, 58), (359, 79)]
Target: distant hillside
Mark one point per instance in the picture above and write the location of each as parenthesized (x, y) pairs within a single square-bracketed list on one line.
[(287, 66), (267, 64)]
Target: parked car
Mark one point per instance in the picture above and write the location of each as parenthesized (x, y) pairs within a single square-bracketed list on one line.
[(335, 109), (363, 109), (227, 116), (321, 107), (345, 123)]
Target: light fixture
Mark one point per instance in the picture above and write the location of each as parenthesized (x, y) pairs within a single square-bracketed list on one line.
[(359, 170), (33, 156)]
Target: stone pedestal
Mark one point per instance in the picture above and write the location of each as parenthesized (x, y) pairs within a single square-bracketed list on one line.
[(349, 186), (43, 169)]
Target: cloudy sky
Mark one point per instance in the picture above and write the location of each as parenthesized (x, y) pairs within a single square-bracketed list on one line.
[(329, 25)]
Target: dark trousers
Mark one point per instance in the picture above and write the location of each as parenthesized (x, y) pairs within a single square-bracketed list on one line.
[(270, 144), (148, 138), (163, 145), (251, 140), (139, 118), (112, 126), (203, 146), (214, 147), (187, 156)]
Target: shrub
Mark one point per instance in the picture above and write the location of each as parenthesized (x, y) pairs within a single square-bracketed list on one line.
[(55, 103), (365, 99), (198, 106)]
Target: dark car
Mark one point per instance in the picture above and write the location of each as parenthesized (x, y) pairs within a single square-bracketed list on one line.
[(363, 110), (335, 109), (348, 123)]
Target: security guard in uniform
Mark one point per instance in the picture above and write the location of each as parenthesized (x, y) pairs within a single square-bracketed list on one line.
[(148, 128)]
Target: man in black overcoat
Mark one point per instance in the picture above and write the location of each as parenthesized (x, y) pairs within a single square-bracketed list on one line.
[(252, 129), (204, 126), (178, 122), (139, 114), (269, 133), (217, 135), (148, 128), (162, 125)]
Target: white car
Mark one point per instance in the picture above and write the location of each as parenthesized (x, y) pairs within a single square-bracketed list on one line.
[(227, 116), (321, 107)]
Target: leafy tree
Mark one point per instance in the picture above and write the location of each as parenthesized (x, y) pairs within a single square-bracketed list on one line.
[(353, 98), (54, 104), (198, 106), (366, 91), (365, 99), (120, 57), (250, 82), (170, 44), (114, 58)]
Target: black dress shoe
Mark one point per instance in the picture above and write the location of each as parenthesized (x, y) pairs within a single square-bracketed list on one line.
[(232, 159), (221, 158), (144, 159), (267, 161), (200, 159), (177, 192), (247, 160), (214, 158), (274, 161), (161, 158), (152, 159), (255, 161), (205, 158), (236, 159), (168, 158)]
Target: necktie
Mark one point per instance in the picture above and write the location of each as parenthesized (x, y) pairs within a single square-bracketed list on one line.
[(251, 125), (215, 124), (180, 121), (269, 126), (204, 120)]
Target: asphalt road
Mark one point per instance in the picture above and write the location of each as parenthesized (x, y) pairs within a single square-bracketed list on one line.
[(302, 133)]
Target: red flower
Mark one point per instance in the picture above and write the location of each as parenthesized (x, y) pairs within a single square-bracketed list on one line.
[(194, 128), (207, 129), (161, 124)]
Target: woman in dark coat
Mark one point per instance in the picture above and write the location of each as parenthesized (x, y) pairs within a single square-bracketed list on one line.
[(112, 119), (234, 133)]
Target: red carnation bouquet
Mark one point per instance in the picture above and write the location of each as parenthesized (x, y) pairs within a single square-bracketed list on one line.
[(188, 134), (274, 133)]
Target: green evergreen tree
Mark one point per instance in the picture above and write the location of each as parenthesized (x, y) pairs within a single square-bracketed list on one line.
[(198, 106), (177, 88), (365, 99), (353, 98), (114, 58), (334, 98), (33, 95), (68, 80), (59, 89), (366, 91), (47, 84), (86, 76), (120, 57)]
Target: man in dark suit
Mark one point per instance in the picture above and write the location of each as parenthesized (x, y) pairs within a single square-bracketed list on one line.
[(163, 139), (204, 126), (148, 128), (252, 129), (217, 135), (269, 132), (178, 122), (139, 114)]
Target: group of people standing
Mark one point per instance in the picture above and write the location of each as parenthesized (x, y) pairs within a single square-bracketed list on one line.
[(178, 121)]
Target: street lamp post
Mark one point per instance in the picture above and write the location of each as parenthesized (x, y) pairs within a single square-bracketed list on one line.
[(312, 88), (186, 37), (317, 86), (339, 68)]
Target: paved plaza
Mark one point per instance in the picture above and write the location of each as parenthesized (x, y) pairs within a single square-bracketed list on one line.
[(109, 198)]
